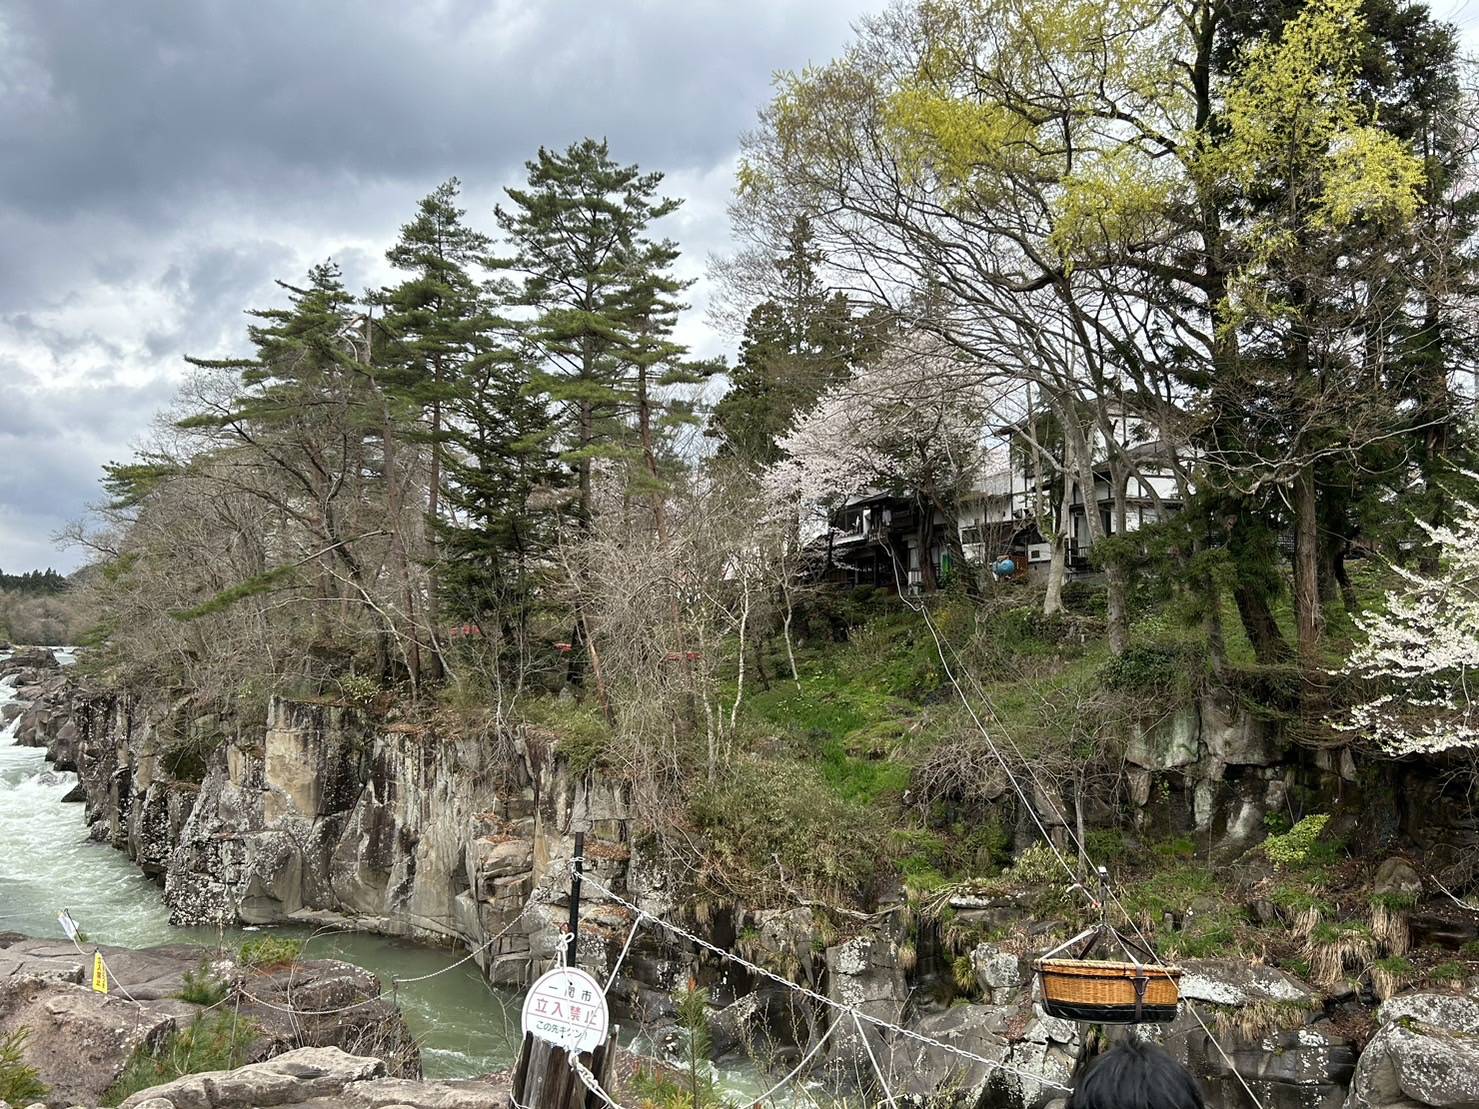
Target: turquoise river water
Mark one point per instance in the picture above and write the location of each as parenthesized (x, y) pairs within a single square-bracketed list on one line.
[(47, 864)]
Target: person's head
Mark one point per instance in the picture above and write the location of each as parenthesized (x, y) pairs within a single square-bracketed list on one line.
[(1136, 1075)]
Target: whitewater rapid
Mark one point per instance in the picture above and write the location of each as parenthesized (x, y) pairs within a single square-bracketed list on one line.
[(47, 864)]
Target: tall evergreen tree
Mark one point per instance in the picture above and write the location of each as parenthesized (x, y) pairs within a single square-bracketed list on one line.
[(604, 305), (797, 344), (308, 431), (436, 318), (497, 458)]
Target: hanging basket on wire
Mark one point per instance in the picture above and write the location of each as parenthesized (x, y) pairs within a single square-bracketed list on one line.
[(1103, 991)]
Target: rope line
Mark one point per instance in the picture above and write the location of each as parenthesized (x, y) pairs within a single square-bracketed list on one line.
[(98, 954), (591, 1082), (394, 982), (808, 1057), (940, 648), (822, 999), (611, 978), (888, 1095)]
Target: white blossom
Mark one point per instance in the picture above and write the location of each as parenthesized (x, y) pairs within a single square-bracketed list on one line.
[(1422, 649), (915, 418)]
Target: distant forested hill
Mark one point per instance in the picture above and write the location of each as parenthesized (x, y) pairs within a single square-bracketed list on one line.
[(33, 582), (36, 607)]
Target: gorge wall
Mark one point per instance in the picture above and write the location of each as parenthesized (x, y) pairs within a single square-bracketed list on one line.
[(332, 817)]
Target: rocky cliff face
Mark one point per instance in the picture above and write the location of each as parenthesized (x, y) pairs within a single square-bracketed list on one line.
[(333, 817), (394, 829)]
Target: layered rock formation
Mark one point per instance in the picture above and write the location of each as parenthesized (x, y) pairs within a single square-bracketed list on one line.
[(316, 1078), (330, 816), (311, 1078)]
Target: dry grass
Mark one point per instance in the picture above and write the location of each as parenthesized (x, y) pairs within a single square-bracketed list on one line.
[(1261, 1018), (1389, 927)]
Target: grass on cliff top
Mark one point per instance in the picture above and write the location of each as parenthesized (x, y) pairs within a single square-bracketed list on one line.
[(813, 787)]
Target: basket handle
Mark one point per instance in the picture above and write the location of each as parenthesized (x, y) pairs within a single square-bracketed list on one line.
[(1091, 934)]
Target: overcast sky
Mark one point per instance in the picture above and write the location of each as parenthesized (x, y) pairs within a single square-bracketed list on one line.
[(164, 161)]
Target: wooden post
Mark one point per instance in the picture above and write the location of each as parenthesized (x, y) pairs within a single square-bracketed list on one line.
[(577, 869), (544, 1078)]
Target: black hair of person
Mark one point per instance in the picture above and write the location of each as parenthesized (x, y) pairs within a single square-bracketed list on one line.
[(1136, 1075)]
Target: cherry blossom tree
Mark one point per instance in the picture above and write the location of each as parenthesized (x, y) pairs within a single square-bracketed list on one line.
[(913, 422), (1421, 652)]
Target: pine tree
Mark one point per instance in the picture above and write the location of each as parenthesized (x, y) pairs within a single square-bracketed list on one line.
[(497, 458), (304, 425), (604, 305), (436, 319), (797, 344)]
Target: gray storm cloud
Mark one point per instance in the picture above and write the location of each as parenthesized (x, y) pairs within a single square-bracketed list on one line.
[(165, 162)]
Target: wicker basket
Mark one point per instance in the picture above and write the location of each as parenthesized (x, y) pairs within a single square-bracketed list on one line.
[(1108, 992)]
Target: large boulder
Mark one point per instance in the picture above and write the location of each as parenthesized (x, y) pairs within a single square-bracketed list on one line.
[(863, 973), (28, 658), (292, 1078), (999, 973), (1426, 1053), (1235, 983), (1244, 1026), (1397, 876), (79, 1040), (316, 1078), (1004, 1056)]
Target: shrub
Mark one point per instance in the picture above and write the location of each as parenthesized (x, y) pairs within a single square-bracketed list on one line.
[(1085, 598), (20, 1083), (215, 1042), (359, 690), (1338, 947), (1295, 847), (1449, 973), (694, 1085), (963, 974), (1026, 630), (1151, 668), (1106, 846), (201, 989), (763, 812), (1037, 866), (1390, 975), (269, 951)]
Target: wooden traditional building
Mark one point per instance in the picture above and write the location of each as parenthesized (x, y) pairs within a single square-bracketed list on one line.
[(879, 538)]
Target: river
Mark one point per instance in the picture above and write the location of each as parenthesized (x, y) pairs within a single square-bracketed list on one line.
[(47, 864)]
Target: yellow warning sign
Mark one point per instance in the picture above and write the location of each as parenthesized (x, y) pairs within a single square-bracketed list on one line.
[(99, 973)]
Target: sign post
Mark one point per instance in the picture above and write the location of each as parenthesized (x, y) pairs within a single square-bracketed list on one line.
[(567, 1007), (566, 1021), (576, 870)]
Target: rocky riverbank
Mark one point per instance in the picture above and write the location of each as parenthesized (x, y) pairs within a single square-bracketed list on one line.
[(81, 1043), (333, 815)]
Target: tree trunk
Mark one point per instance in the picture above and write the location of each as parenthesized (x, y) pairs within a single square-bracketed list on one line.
[(1058, 566), (1077, 449), (1212, 624), (924, 538), (1309, 618)]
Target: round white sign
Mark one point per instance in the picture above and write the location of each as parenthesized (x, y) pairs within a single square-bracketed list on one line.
[(568, 1008)]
